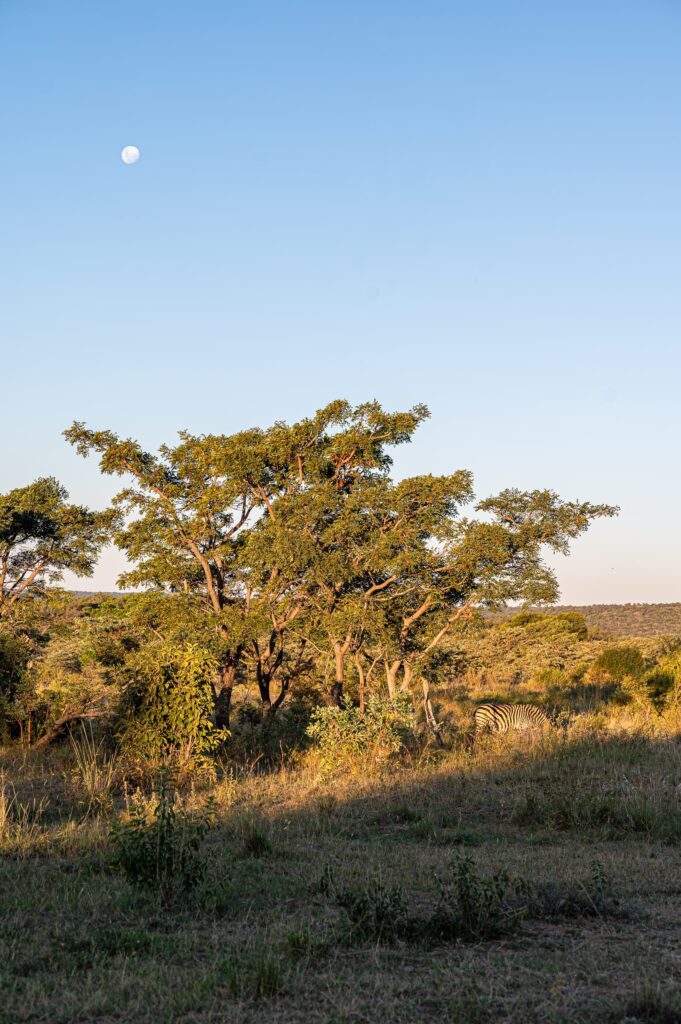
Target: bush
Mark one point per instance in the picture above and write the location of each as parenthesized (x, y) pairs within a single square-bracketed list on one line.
[(551, 625), (347, 740), (168, 707), (271, 741), (618, 663), (163, 854), (664, 680), (473, 907)]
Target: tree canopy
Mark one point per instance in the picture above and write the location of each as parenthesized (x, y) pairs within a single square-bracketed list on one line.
[(42, 536), (301, 549)]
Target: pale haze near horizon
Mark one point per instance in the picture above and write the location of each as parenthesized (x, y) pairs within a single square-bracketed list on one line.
[(474, 206)]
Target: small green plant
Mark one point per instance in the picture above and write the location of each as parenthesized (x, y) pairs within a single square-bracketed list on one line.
[(351, 741), (164, 854), (473, 907)]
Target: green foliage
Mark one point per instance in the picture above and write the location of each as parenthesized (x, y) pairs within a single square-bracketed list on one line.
[(295, 539), (473, 907), (15, 652), (41, 536), (168, 705), (551, 625), (164, 854), (270, 741), (348, 740), (618, 663)]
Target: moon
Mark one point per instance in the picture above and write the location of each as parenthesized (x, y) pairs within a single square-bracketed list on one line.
[(130, 155)]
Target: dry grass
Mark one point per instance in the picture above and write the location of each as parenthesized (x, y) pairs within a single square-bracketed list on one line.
[(260, 941)]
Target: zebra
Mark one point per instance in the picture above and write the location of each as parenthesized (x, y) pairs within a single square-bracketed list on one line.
[(503, 717)]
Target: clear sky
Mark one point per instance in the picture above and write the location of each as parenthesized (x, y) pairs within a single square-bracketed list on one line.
[(474, 205)]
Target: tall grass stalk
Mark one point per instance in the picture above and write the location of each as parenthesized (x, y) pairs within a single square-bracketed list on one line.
[(95, 772)]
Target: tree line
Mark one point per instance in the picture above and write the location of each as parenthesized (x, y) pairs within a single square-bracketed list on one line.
[(291, 550)]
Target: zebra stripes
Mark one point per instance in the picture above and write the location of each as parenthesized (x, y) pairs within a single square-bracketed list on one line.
[(503, 717)]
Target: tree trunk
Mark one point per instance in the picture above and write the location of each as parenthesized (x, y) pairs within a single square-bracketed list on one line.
[(360, 673), (339, 651), (430, 715), (264, 679), (408, 673), (391, 670), (61, 723), (223, 697)]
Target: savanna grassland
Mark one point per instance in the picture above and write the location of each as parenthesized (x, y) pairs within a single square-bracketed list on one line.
[(510, 878), (248, 789)]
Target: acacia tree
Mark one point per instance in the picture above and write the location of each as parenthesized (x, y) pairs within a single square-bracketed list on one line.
[(42, 536), (483, 562), (185, 521), (294, 540), (345, 552)]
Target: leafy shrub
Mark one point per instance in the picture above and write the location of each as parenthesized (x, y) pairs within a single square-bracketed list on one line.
[(163, 854), (552, 679), (618, 663), (168, 707), (659, 683), (551, 625), (663, 681), (272, 740), (473, 907), (347, 740)]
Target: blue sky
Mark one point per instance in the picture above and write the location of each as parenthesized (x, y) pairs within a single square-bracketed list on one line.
[(473, 205)]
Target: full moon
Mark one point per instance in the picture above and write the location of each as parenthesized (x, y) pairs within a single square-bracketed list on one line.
[(130, 155)]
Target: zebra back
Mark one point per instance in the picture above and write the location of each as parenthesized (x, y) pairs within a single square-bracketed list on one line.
[(503, 717)]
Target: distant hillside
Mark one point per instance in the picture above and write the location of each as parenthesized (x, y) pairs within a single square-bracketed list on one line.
[(615, 619), (624, 619)]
